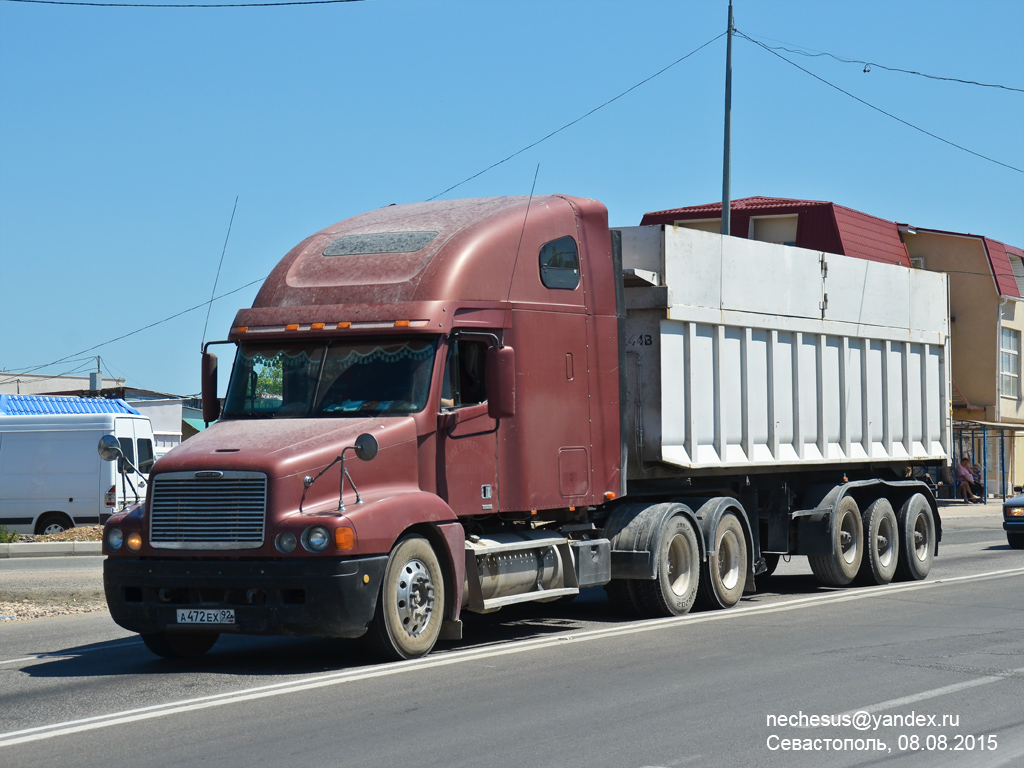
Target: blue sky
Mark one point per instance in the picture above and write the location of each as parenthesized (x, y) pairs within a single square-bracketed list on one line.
[(127, 133)]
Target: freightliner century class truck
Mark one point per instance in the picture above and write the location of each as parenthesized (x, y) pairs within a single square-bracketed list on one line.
[(457, 406)]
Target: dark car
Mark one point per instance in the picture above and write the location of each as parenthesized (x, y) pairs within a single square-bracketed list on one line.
[(1013, 521)]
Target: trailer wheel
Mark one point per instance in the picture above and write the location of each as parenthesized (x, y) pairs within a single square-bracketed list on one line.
[(725, 573), (881, 538), (410, 608), (180, 645), (839, 568), (1015, 540), (678, 572), (916, 527)]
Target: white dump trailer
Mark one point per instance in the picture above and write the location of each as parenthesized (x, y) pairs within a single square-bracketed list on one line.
[(776, 399), (750, 356)]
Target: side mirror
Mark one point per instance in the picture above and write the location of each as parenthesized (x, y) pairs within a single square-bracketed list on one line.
[(211, 405), (109, 449), (501, 382), (366, 446)]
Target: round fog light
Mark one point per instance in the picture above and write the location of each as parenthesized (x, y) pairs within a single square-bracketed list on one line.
[(286, 542), (114, 539), (316, 539), (134, 541)]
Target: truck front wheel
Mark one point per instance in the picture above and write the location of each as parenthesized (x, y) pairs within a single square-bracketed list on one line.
[(1015, 540), (180, 645), (410, 607)]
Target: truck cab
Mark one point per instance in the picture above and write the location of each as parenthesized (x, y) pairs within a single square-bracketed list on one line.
[(407, 324)]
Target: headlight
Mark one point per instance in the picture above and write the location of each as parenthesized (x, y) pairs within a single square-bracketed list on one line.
[(286, 542), (115, 538), (1013, 511), (316, 539), (134, 541)]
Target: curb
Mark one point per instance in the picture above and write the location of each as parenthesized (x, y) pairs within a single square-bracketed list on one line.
[(51, 549)]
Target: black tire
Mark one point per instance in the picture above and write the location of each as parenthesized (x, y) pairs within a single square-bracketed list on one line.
[(841, 566), (410, 607), (180, 645), (724, 574), (771, 562), (674, 589), (1015, 540), (881, 544), (53, 522), (916, 526)]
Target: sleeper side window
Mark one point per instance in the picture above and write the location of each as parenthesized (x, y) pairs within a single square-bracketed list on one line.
[(560, 264)]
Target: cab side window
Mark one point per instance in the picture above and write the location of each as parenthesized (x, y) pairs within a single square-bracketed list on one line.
[(464, 375), (560, 264)]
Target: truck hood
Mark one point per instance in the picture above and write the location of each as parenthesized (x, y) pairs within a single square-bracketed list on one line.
[(280, 447)]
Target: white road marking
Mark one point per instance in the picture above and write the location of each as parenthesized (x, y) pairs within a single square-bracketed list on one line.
[(473, 654), (935, 692)]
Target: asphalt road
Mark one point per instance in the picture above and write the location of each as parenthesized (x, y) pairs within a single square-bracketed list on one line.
[(565, 685)]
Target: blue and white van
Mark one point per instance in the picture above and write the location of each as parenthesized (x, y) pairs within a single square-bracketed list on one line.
[(51, 475)]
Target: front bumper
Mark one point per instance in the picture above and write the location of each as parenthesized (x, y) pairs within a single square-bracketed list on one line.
[(1013, 524), (304, 597)]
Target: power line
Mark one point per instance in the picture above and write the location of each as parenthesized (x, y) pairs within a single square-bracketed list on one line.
[(183, 5), (138, 330), (578, 119), (879, 109), (875, 65)]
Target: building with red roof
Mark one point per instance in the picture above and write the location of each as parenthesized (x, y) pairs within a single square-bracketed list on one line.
[(985, 303)]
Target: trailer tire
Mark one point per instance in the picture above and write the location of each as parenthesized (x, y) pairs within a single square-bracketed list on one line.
[(881, 543), (53, 522), (180, 645), (1015, 540), (916, 526), (674, 588), (410, 607), (724, 573), (840, 567)]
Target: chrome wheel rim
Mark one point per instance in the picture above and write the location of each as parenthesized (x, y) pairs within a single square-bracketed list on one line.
[(414, 597), (729, 560), (884, 540), (679, 558)]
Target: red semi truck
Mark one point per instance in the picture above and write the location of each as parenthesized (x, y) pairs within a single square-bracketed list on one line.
[(461, 405)]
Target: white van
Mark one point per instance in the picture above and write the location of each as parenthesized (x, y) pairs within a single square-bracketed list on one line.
[(51, 475)]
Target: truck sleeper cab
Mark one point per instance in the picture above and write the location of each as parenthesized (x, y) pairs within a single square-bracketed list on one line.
[(511, 382)]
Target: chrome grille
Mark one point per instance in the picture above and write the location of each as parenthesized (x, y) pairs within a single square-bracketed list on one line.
[(227, 511)]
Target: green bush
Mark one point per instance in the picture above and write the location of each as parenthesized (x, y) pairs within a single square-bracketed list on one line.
[(7, 536)]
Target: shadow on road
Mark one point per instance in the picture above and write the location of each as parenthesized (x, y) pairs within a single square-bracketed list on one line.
[(246, 655)]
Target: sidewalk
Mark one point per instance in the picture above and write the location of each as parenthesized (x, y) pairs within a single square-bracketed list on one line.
[(51, 549)]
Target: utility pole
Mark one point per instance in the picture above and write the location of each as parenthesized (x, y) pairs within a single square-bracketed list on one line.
[(726, 202)]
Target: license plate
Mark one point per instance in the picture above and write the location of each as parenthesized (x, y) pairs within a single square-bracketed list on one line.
[(200, 616)]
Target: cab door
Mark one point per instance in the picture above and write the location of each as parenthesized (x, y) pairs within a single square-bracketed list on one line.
[(467, 435)]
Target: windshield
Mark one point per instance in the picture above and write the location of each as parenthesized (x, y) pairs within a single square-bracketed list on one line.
[(340, 378)]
